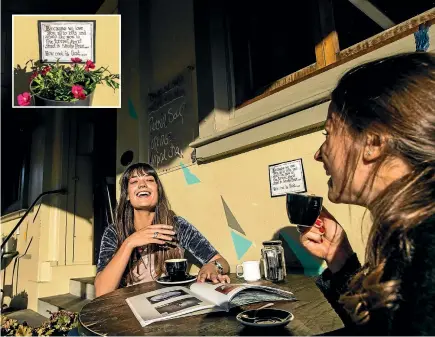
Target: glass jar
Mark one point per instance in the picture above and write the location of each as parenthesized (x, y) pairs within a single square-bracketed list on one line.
[(273, 258)]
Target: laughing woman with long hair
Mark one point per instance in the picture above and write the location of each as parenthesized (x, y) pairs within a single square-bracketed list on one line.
[(146, 233), (379, 152)]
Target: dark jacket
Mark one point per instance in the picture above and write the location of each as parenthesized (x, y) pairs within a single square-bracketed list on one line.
[(415, 314)]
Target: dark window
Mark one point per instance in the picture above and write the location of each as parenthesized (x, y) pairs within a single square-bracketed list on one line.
[(399, 13), (15, 155), (351, 24), (269, 41), (354, 26)]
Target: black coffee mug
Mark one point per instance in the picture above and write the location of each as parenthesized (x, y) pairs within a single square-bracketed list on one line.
[(176, 269), (303, 210)]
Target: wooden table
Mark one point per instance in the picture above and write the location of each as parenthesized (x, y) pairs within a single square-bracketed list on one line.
[(111, 315)]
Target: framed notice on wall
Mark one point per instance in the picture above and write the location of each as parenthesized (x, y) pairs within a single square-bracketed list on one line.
[(287, 177), (63, 40)]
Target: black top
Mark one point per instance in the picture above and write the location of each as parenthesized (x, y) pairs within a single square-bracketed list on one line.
[(188, 236), (416, 312)]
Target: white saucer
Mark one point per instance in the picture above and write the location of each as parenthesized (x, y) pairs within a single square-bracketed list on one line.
[(165, 280)]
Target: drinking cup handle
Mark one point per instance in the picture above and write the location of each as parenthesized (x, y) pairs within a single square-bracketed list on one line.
[(237, 270)]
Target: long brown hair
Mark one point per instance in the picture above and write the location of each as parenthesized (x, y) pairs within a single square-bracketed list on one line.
[(394, 96), (124, 223)]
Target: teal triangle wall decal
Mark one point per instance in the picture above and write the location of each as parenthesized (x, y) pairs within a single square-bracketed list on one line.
[(131, 110), (241, 244), (189, 176)]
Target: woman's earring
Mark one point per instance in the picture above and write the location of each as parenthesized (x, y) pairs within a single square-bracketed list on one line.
[(369, 153)]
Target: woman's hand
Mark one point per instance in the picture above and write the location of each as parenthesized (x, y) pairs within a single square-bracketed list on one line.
[(159, 234), (327, 240), (209, 272)]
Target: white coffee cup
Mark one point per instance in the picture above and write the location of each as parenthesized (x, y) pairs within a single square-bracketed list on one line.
[(250, 270)]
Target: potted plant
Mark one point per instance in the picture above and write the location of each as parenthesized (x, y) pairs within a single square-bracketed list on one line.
[(11, 327), (59, 324), (54, 84)]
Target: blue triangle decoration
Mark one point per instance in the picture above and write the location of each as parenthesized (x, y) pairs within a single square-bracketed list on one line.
[(312, 265), (131, 110), (189, 176), (241, 244)]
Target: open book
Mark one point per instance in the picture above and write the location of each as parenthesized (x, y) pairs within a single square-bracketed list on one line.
[(201, 298)]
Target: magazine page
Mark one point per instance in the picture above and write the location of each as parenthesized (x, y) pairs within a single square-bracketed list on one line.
[(166, 303), (218, 294), (231, 295), (255, 293)]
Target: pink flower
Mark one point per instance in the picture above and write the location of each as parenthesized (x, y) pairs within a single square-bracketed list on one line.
[(76, 59), (77, 91), (24, 99), (89, 65)]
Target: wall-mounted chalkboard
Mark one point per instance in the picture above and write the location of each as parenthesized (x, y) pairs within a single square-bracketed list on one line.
[(63, 40), (173, 123), (287, 177)]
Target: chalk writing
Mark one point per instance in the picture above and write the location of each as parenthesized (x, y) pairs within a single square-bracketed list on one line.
[(160, 157), (159, 95), (167, 117), (64, 40), (169, 108), (168, 97), (171, 120), (164, 146), (287, 177), (160, 140)]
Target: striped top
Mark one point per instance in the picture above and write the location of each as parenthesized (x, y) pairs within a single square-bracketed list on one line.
[(189, 239)]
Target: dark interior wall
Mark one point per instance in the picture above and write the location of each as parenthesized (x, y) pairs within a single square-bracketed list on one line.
[(104, 172)]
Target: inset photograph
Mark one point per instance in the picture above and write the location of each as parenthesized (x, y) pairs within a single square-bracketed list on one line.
[(166, 296), (226, 288), (66, 61), (173, 307)]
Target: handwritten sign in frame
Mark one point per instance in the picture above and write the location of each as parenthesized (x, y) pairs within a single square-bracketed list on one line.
[(54, 58), (301, 188)]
